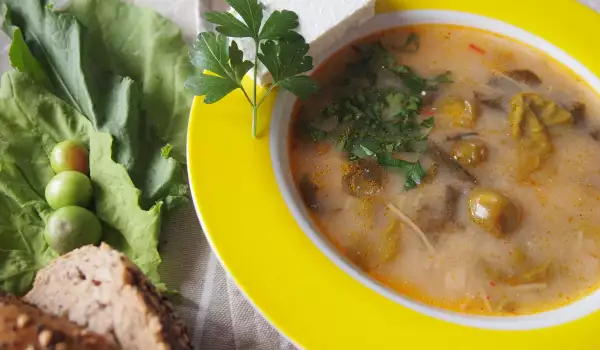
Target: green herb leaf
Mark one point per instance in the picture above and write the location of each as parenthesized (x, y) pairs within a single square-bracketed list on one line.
[(251, 12), (211, 52), (283, 52), (212, 87), (228, 25), (444, 78), (281, 24), (412, 81), (302, 86), (417, 84), (285, 58), (236, 60), (414, 176), (412, 44), (428, 123), (413, 171), (401, 105)]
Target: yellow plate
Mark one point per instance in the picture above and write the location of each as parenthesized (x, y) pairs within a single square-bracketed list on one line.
[(282, 272)]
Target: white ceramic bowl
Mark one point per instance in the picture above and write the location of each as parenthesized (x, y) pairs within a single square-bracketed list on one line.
[(279, 151)]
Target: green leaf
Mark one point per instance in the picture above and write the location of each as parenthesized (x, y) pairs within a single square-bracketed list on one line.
[(19, 54), (281, 24), (141, 44), (211, 52), (251, 12), (302, 86), (73, 61), (285, 58), (236, 60), (444, 78), (212, 87), (32, 122), (428, 123), (228, 25), (413, 172), (129, 228), (411, 80), (417, 84), (401, 104), (412, 44), (165, 152), (414, 176), (284, 54)]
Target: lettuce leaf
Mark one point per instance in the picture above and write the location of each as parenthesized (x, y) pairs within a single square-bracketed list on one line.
[(150, 49), (76, 66), (132, 230), (32, 121)]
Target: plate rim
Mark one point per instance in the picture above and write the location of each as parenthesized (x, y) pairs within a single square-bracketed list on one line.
[(297, 330)]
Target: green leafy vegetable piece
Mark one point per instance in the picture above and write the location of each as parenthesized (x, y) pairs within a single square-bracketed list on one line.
[(222, 67), (23, 250), (32, 122), (302, 86), (212, 53), (228, 25), (417, 84), (412, 44), (285, 59), (251, 12), (131, 230), (428, 123), (20, 57), (237, 62), (413, 171), (281, 24), (166, 150), (378, 123), (73, 61), (141, 44), (213, 88)]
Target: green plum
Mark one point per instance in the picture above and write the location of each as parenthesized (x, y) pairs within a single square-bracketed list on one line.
[(72, 227), (69, 188), (70, 155)]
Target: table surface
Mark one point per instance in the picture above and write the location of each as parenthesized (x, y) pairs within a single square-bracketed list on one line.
[(217, 314)]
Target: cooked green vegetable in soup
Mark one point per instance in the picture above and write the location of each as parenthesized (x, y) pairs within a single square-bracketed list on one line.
[(456, 166)]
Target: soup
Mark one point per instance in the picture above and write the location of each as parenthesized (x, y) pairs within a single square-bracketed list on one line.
[(458, 167)]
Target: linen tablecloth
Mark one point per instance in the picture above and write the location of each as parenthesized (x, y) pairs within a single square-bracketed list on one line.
[(218, 315)]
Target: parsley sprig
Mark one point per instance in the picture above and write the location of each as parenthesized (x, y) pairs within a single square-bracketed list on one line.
[(278, 46)]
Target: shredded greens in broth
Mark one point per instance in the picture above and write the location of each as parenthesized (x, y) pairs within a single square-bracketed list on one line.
[(372, 122), (457, 167)]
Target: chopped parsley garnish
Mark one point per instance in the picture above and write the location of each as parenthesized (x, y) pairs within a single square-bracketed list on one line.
[(278, 47), (412, 44), (370, 122), (416, 84)]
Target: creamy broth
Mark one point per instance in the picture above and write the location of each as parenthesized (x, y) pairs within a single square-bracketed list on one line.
[(423, 242)]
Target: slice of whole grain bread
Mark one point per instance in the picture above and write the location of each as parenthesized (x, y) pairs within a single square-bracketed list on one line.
[(23, 326), (102, 290)]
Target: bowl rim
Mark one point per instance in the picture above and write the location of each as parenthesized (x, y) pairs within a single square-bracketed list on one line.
[(279, 129)]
